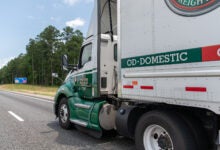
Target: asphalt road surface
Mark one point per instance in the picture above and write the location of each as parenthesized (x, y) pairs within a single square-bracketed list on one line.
[(28, 123)]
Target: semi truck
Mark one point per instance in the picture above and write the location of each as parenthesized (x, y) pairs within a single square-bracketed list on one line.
[(148, 70)]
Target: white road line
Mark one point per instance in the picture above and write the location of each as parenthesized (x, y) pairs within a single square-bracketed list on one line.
[(16, 116)]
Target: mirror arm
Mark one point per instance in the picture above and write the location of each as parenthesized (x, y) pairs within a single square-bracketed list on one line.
[(59, 79), (73, 67)]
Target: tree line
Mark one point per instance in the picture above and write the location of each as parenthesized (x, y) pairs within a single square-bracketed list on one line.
[(43, 57)]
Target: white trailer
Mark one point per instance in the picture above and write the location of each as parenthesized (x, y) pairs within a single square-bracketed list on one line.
[(149, 69), (170, 58)]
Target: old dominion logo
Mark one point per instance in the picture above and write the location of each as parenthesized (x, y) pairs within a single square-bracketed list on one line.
[(192, 7)]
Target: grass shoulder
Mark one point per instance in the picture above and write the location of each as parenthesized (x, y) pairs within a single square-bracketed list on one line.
[(31, 89)]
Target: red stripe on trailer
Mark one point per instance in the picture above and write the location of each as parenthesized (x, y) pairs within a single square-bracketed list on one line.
[(128, 86), (187, 8), (147, 87), (211, 53), (196, 89)]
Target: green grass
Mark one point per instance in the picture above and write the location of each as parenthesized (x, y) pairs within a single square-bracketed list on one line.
[(31, 89)]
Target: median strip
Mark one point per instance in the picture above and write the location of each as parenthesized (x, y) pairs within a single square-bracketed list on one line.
[(16, 116)]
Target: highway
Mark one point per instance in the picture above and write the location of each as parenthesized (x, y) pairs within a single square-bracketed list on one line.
[(28, 123)]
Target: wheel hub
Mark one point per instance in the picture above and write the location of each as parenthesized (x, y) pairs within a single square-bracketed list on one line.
[(63, 113), (157, 138), (164, 142)]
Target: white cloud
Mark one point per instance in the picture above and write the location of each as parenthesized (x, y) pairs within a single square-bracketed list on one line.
[(71, 2), (78, 22), (4, 61)]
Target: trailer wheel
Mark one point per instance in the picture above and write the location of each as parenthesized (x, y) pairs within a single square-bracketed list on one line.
[(199, 133), (64, 114), (160, 130)]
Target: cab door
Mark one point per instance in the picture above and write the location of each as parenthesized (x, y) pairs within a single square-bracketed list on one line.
[(85, 82), (86, 78)]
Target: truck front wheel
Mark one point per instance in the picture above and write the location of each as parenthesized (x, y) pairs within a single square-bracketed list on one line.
[(64, 114), (160, 130)]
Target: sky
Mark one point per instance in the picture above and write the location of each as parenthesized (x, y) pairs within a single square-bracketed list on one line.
[(25, 19)]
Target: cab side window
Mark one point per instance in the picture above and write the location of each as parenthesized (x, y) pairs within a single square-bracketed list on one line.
[(86, 55), (115, 52)]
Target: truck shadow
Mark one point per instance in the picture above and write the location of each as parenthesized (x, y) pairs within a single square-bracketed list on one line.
[(81, 141)]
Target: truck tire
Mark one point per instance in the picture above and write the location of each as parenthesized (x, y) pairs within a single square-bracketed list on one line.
[(64, 114), (161, 130), (198, 132)]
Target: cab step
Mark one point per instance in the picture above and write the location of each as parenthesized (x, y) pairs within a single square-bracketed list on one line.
[(82, 106), (79, 122)]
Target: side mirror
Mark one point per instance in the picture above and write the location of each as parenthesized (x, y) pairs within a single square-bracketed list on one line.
[(65, 62)]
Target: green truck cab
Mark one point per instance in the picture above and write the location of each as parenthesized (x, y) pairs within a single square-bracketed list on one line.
[(80, 99)]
